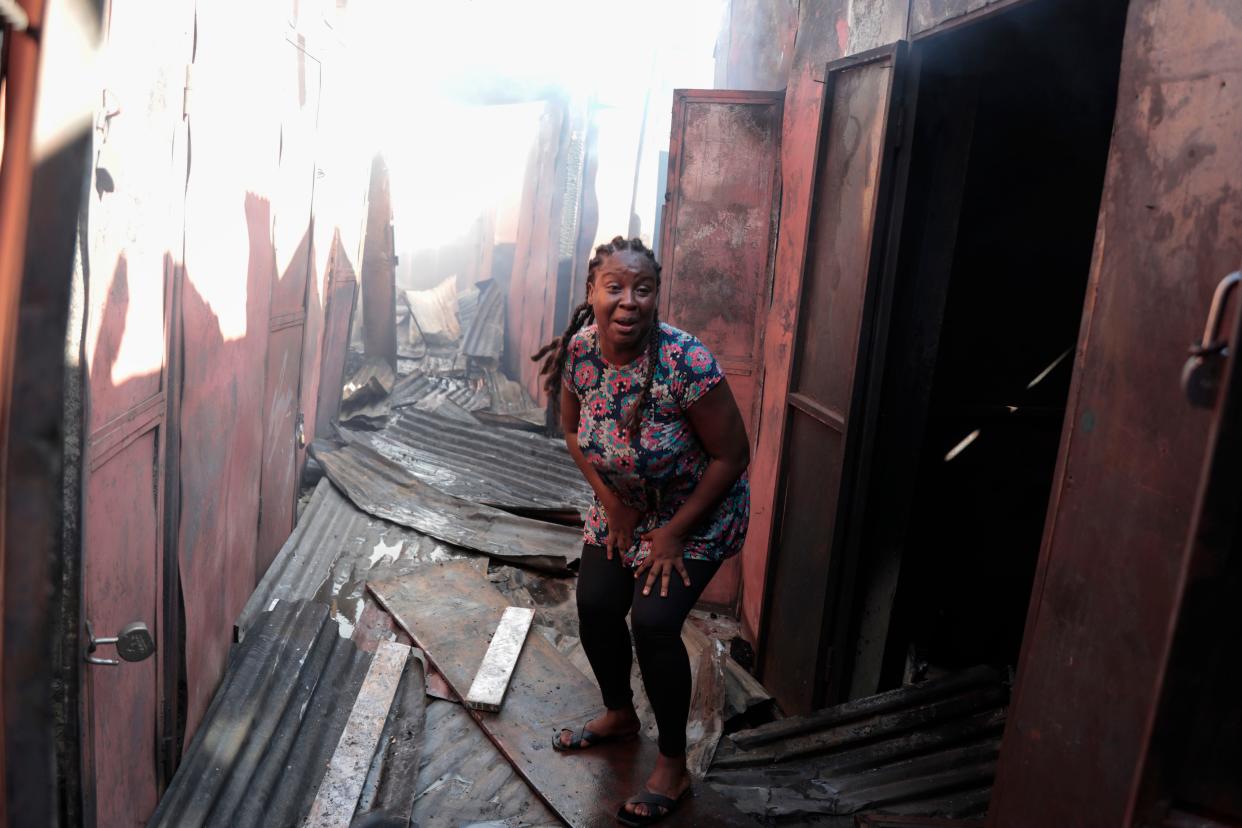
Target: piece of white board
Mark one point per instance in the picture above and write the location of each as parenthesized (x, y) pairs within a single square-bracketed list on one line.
[(492, 680), (347, 771)]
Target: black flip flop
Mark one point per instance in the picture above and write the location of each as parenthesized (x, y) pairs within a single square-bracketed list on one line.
[(652, 800), (586, 739)]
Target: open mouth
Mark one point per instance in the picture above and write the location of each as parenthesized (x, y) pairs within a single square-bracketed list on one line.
[(625, 326)]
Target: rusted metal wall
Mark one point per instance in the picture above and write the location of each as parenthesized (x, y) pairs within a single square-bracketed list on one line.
[(823, 32), (133, 234), (718, 241), (532, 286), (379, 271), (1170, 228), (756, 45), (926, 15), (292, 318)]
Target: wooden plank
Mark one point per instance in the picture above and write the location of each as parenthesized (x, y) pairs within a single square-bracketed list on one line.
[(347, 771), (448, 609), (490, 683)]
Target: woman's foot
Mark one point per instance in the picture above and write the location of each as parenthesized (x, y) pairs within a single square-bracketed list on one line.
[(612, 724), (670, 778)]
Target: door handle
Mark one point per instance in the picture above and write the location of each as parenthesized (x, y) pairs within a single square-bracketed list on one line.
[(1202, 372), (133, 643)]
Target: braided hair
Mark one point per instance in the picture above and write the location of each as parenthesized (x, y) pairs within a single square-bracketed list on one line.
[(555, 353)]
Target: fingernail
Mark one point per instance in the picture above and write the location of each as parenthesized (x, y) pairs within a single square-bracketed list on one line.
[(646, 592)]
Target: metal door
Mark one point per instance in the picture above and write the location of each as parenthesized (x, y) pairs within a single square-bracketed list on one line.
[(717, 243), (1131, 455), (284, 432), (840, 313), (1193, 751), (133, 228)]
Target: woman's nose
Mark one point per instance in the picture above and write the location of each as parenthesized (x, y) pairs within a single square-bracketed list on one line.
[(627, 299)]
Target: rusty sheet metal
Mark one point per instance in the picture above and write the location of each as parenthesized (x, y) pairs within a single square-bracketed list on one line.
[(832, 334), (333, 550), (379, 271), (823, 32), (926, 15), (717, 244), (897, 821), (531, 296), (1170, 228), (449, 610), (381, 487), (755, 49), (273, 725), (131, 228), (425, 392), (297, 80), (341, 296), (465, 780), (484, 326), (501, 467), (928, 749)]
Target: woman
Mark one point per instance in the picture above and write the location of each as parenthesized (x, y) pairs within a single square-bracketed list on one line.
[(650, 421)]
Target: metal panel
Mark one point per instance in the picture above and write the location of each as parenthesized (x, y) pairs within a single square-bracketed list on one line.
[(840, 289), (1193, 752), (381, 487), (297, 92), (225, 301), (927, 16), (379, 271), (133, 226), (502, 467), (264, 743), (718, 241), (334, 550), (928, 748), (1170, 227), (822, 34), (342, 295)]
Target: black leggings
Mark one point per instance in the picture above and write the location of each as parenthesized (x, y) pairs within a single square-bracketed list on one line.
[(607, 590)]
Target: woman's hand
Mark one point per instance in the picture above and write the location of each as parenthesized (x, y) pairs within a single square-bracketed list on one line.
[(622, 523), (664, 556)]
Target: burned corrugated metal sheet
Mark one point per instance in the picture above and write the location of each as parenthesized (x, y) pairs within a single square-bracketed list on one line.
[(425, 392), (927, 749), (509, 469), (379, 486), (261, 750), (332, 551), (484, 324), (464, 779)]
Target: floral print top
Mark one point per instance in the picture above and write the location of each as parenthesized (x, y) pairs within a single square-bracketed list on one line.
[(656, 470)]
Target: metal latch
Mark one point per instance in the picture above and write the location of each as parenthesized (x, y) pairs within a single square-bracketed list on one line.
[(299, 430), (133, 643), (1202, 372)]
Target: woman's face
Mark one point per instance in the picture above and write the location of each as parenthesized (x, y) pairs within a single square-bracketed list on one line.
[(623, 295)]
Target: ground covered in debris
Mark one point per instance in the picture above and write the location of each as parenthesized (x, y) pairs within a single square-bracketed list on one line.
[(437, 505)]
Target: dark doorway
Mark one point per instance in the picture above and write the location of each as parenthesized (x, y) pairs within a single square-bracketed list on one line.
[(1013, 117)]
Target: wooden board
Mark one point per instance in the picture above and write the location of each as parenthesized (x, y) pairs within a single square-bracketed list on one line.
[(347, 771), (449, 611), (487, 690)]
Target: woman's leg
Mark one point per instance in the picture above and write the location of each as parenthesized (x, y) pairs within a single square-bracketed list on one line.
[(662, 655), (604, 590)]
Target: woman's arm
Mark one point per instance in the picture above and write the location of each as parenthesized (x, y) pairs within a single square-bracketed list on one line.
[(717, 423), (622, 520)]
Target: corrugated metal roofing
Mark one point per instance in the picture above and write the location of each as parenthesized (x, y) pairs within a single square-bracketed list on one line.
[(484, 323), (498, 466), (927, 749), (464, 779), (381, 487), (334, 548), (426, 391), (261, 750)]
